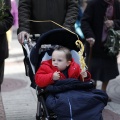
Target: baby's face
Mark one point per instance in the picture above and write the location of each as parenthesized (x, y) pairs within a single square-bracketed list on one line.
[(59, 60)]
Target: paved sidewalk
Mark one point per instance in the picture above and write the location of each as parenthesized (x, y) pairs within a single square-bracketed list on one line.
[(2, 112), (18, 101)]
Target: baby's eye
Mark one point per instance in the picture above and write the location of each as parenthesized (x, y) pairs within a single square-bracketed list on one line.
[(53, 60), (59, 60)]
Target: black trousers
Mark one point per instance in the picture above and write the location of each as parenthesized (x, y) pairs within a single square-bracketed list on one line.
[(2, 63)]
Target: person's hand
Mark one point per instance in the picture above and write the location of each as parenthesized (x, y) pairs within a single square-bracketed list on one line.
[(22, 35), (91, 41), (56, 75), (84, 74), (109, 23)]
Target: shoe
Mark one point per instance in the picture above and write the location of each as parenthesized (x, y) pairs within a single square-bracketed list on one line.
[(109, 99)]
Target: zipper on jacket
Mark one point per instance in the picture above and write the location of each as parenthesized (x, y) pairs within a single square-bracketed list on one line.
[(70, 109)]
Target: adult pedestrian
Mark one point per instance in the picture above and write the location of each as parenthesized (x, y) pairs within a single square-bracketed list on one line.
[(6, 21), (99, 16), (63, 12)]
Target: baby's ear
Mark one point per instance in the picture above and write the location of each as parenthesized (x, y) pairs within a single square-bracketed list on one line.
[(69, 62)]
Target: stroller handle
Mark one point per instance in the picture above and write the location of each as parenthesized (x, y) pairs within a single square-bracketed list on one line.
[(27, 47), (34, 35)]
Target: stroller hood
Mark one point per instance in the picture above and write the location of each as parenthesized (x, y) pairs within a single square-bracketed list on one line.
[(58, 37)]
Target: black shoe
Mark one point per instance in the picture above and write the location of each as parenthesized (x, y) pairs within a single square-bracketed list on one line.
[(109, 99)]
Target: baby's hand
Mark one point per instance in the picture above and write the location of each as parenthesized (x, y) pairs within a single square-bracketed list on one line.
[(56, 75), (84, 74)]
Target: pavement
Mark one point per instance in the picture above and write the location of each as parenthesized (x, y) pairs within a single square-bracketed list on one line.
[(18, 100)]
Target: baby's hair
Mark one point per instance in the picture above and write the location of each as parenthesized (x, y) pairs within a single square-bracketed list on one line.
[(66, 50)]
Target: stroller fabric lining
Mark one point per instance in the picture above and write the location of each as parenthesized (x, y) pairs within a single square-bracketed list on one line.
[(75, 56)]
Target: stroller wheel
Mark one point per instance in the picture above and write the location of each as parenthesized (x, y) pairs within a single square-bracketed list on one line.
[(38, 118), (41, 118)]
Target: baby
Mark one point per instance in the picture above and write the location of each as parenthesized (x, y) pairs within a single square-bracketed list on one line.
[(60, 67)]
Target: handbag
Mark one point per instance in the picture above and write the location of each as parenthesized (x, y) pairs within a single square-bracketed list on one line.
[(113, 42)]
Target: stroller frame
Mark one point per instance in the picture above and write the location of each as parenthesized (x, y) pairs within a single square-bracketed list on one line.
[(42, 112)]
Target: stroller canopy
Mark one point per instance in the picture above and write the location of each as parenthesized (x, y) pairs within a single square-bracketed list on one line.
[(58, 37)]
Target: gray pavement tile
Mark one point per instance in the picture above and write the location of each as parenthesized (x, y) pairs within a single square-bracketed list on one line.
[(109, 115), (11, 84), (113, 89), (112, 106), (19, 104)]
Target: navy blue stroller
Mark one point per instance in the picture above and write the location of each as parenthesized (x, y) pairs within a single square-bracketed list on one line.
[(80, 100)]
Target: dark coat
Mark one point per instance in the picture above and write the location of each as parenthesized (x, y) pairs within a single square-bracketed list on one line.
[(5, 25), (92, 24), (63, 12)]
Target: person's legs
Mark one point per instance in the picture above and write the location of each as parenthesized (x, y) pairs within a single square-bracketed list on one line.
[(104, 85), (1, 72)]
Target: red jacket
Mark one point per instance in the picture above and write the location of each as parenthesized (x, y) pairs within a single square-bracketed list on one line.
[(45, 72)]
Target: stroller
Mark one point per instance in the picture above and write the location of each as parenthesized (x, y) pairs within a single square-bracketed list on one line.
[(92, 100)]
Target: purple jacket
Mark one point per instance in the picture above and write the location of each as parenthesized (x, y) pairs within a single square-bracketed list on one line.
[(14, 12)]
